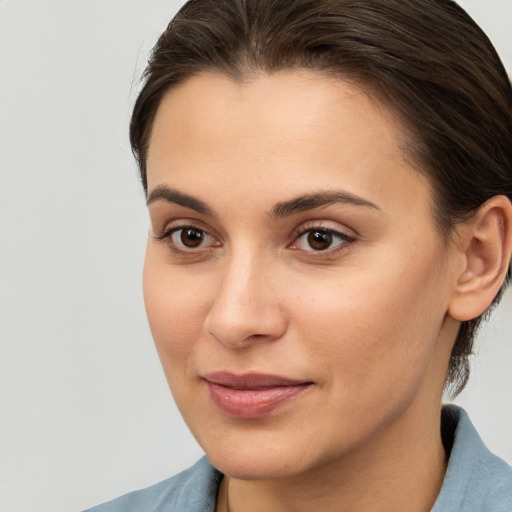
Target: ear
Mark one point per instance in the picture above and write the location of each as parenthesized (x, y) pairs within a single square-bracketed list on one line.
[(485, 243)]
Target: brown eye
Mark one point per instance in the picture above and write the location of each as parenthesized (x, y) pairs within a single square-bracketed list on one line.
[(319, 240), (191, 237), (188, 239)]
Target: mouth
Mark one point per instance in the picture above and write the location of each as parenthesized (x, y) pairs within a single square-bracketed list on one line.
[(252, 395)]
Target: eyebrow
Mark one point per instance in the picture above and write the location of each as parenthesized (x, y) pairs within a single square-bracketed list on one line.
[(164, 193), (312, 201), (282, 209)]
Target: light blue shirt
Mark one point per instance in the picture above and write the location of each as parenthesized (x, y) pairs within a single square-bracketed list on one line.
[(475, 480)]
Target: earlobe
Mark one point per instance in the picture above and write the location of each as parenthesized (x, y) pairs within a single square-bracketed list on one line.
[(486, 245)]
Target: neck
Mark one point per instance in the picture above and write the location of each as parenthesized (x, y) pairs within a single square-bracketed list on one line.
[(395, 472)]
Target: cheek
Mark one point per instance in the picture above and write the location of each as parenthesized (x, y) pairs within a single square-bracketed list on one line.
[(175, 308), (375, 329)]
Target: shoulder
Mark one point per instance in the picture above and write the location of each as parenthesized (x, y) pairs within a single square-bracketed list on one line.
[(193, 490), (476, 479)]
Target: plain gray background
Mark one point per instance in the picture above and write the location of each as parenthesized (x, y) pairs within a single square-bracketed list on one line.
[(85, 414)]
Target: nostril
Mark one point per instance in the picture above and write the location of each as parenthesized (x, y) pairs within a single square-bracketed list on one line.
[(255, 337)]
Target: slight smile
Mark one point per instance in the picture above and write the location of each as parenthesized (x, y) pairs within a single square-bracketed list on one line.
[(252, 395)]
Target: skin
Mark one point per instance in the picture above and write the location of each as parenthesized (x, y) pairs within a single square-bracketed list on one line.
[(365, 320)]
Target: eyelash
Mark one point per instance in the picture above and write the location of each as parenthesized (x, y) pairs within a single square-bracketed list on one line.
[(319, 228), (167, 237)]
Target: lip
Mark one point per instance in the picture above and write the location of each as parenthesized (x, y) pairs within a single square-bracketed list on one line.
[(252, 395)]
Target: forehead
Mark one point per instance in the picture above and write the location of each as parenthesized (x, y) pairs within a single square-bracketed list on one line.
[(298, 129), (298, 102)]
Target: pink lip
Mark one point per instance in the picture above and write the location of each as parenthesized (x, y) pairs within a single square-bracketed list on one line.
[(252, 395)]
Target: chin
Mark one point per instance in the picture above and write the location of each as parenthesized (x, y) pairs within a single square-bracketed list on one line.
[(260, 457), (262, 466)]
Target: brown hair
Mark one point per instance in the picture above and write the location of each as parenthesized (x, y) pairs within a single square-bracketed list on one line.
[(426, 58)]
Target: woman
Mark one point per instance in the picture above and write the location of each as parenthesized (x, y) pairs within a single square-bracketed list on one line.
[(329, 187)]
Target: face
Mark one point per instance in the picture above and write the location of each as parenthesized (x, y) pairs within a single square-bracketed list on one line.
[(295, 283)]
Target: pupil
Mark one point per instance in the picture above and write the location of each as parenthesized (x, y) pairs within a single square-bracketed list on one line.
[(319, 240), (192, 237)]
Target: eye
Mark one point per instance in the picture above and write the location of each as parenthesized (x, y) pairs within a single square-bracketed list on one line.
[(183, 239), (320, 239), (189, 237)]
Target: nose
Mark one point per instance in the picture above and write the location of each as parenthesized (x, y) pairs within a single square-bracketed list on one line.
[(247, 307)]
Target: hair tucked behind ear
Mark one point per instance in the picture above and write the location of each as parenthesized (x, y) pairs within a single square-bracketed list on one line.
[(426, 58)]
